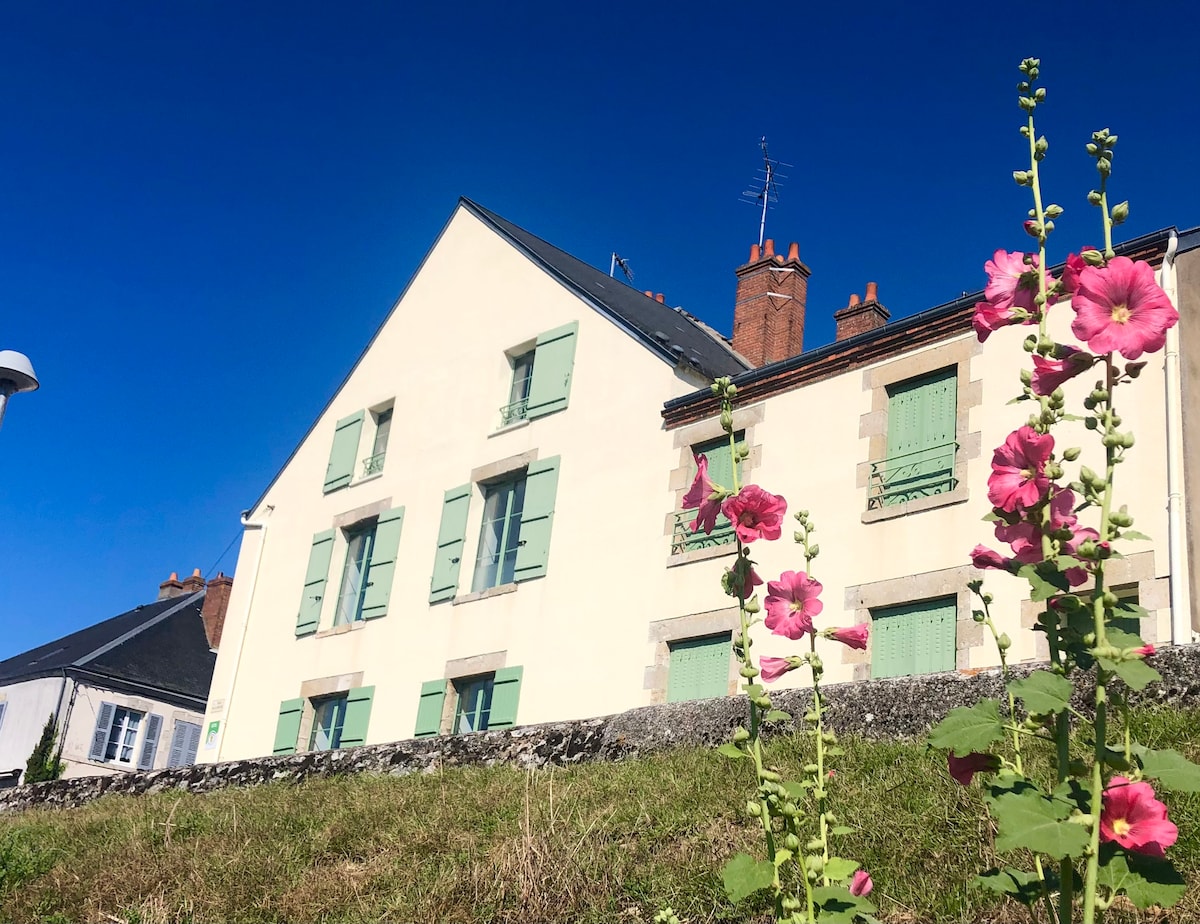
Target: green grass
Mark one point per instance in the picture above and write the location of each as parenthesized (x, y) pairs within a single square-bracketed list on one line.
[(588, 844)]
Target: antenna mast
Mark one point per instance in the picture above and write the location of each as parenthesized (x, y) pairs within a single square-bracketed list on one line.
[(618, 260), (765, 190)]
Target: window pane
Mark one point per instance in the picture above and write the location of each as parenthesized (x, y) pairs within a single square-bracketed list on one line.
[(491, 536), (522, 375), (512, 536), (328, 718), (474, 705), (383, 429), (355, 576)]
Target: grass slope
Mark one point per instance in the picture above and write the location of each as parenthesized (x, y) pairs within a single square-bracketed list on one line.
[(594, 843)]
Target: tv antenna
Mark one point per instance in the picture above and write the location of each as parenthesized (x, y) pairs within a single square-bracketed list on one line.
[(618, 260), (765, 190)]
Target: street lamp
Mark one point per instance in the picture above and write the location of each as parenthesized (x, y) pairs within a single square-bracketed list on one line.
[(16, 375)]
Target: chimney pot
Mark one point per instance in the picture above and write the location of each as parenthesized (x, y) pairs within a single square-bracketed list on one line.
[(794, 253), (171, 587), (860, 317), (649, 293), (193, 584), (660, 298), (755, 253), (872, 292), (853, 299), (216, 604), (768, 311), (768, 248)]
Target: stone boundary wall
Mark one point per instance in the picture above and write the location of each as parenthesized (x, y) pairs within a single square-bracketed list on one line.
[(899, 708)]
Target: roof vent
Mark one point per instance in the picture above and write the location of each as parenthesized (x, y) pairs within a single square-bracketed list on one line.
[(661, 337), (677, 350)]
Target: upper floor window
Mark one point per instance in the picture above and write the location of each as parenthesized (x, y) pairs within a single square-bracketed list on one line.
[(360, 543), (329, 719), (921, 446), (541, 375), (350, 441), (499, 534), (518, 395), (720, 471), (373, 464)]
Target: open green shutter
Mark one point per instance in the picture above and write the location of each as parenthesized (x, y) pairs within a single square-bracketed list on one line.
[(699, 668), (287, 729), (506, 693), (452, 536), (430, 707), (537, 516), (553, 361), (383, 563), (915, 638), (314, 583), (358, 716), (344, 453)]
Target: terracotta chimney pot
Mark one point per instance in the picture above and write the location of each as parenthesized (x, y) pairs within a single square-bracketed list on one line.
[(872, 292), (193, 584), (853, 299), (755, 253), (768, 248), (171, 587), (649, 293), (660, 298), (794, 253)]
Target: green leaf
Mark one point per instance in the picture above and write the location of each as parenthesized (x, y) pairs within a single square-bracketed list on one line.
[(839, 830), (782, 855), (1137, 674), (1171, 769), (1147, 881), (1043, 586), (732, 751), (838, 869), (1024, 887), (1034, 822), (1043, 691), (1134, 534), (838, 900), (795, 791), (1120, 639), (834, 751), (777, 715), (744, 876), (968, 728)]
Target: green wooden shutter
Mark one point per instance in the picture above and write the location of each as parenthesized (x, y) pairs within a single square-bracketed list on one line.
[(383, 564), (537, 517), (358, 716), (922, 413), (553, 361), (720, 471), (430, 708), (287, 729), (915, 638), (100, 734), (343, 455), (314, 583), (452, 536), (699, 668), (506, 692)]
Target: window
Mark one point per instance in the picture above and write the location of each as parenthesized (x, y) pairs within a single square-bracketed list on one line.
[(125, 736), (474, 704), (329, 718), (541, 377), (921, 445), (914, 638), (500, 534), (344, 452), (355, 575), (478, 703), (699, 668), (3, 709), (720, 471), (185, 741), (373, 464)]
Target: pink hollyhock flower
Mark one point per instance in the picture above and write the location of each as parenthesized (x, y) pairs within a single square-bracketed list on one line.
[(963, 769), (1049, 374), (852, 637), (700, 495), (774, 668), (983, 557), (1121, 308), (1074, 268), (755, 513), (1135, 819), (1012, 283), (751, 581), (1146, 650), (791, 603), (1018, 469), (860, 883)]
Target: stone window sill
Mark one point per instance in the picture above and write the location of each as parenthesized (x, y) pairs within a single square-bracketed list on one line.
[(484, 594), (957, 496), (716, 551), (340, 630), (515, 425)]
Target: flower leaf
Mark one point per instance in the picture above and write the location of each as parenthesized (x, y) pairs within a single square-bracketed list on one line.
[(1134, 534), (743, 876), (1171, 769), (838, 869), (776, 715), (1145, 880), (1137, 674), (1043, 586), (1043, 691), (837, 904), (1024, 887), (732, 751), (968, 728), (1030, 820)]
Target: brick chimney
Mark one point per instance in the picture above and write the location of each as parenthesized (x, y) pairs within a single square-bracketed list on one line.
[(171, 587), (194, 583), (768, 312), (216, 602), (861, 316)]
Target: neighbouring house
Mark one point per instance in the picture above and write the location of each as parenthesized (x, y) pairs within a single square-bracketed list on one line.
[(127, 693), (498, 539)]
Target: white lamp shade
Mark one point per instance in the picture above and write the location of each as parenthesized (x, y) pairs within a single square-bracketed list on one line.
[(16, 372)]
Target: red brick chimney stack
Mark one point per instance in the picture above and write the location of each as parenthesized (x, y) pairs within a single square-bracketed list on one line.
[(216, 603), (768, 312), (859, 317), (193, 584), (171, 587)]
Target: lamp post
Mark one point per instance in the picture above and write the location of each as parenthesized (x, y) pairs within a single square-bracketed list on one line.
[(16, 375)]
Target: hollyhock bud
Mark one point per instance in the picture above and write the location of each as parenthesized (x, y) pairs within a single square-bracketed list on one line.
[(861, 883)]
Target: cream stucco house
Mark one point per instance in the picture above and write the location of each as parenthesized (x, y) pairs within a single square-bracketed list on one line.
[(525, 559)]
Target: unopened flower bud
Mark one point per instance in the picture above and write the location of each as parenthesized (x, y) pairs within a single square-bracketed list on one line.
[(1093, 257), (1004, 642), (798, 536), (978, 615), (1126, 440), (1133, 370), (1071, 454), (731, 390), (1030, 343), (726, 420), (749, 672), (1094, 196), (791, 842), (753, 809), (752, 605), (1120, 212), (1087, 476), (815, 550), (716, 389), (811, 768), (740, 734), (987, 597), (1026, 377), (1053, 211)]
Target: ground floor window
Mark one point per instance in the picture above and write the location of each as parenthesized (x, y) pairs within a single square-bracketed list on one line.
[(914, 638), (329, 718), (699, 668)]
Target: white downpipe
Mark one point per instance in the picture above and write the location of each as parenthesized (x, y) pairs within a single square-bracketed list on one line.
[(237, 659), (1181, 628)]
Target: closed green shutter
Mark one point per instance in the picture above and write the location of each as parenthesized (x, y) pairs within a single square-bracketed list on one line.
[(452, 535), (537, 517), (921, 428), (699, 668), (506, 693), (344, 453), (358, 716), (430, 708), (287, 729), (383, 564), (553, 361), (720, 472), (314, 583), (916, 638)]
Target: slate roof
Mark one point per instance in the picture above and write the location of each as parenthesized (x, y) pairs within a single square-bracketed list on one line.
[(671, 333), (160, 645)]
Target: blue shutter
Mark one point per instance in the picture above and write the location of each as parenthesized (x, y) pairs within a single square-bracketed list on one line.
[(537, 517), (100, 735), (178, 743), (452, 535), (150, 743), (287, 729), (506, 694), (553, 362), (430, 708), (315, 577), (343, 455), (383, 564), (192, 745), (358, 716)]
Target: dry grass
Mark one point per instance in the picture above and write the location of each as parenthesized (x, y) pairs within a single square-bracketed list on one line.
[(606, 842)]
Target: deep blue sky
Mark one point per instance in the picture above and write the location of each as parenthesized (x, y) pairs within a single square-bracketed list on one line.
[(207, 208)]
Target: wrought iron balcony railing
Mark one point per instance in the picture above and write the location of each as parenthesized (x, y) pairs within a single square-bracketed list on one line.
[(684, 540), (373, 465), (911, 475), (511, 413)]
